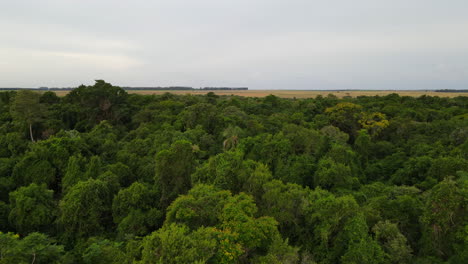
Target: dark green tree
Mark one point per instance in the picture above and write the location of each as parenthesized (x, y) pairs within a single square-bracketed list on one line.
[(104, 252), (444, 219), (392, 242), (332, 175), (36, 248), (173, 169), (32, 208), (73, 174), (27, 108), (86, 209), (135, 210)]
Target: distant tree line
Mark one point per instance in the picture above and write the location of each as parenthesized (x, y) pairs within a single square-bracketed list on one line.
[(452, 91), (170, 88)]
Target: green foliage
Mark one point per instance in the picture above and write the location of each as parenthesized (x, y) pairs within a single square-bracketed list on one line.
[(327, 215), (73, 174), (334, 134), (361, 248), (392, 242), (85, 209), (34, 248), (94, 168), (231, 216), (331, 175), (224, 170), (176, 244), (444, 218), (104, 252), (32, 208), (128, 178), (363, 145), (102, 101), (135, 210), (4, 212), (34, 169), (27, 108), (374, 123), (12, 145), (284, 202), (202, 206), (173, 169), (254, 234), (345, 116), (125, 175), (402, 205), (279, 252), (200, 114), (229, 171)]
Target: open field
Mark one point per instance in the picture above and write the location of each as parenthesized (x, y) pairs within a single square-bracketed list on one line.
[(298, 93)]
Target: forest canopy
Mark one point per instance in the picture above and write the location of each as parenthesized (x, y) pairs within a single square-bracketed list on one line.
[(103, 176)]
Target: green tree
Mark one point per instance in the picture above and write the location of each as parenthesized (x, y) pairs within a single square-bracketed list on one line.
[(32, 208), (398, 204), (176, 244), (173, 169), (303, 140), (39, 248), (325, 215), (73, 174), (36, 248), (135, 210), (9, 248), (34, 168), (284, 202), (334, 134), (374, 123), (4, 212), (85, 209), (271, 150), (444, 167), (202, 206), (414, 171), (94, 168), (231, 137), (280, 252), (255, 234), (229, 171), (104, 252), (444, 218), (27, 108), (362, 145), (345, 116), (360, 246), (332, 175), (232, 216), (102, 101), (201, 114), (392, 242)]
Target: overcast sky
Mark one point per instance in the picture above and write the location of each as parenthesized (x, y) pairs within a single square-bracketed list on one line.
[(262, 44)]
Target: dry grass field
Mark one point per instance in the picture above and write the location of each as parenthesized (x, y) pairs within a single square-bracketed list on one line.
[(298, 93)]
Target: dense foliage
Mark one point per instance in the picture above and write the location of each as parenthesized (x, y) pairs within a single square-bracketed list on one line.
[(102, 176)]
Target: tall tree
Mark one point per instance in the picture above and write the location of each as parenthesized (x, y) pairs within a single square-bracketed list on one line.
[(135, 210), (85, 209), (35, 248), (173, 169), (32, 208), (26, 107), (102, 101)]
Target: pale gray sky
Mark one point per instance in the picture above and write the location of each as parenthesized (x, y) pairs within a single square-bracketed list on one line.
[(262, 44)]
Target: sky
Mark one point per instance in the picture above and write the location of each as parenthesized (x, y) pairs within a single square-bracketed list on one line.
[(260, 44)]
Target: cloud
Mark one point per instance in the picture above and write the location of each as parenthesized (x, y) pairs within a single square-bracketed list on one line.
[(297, 44)]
